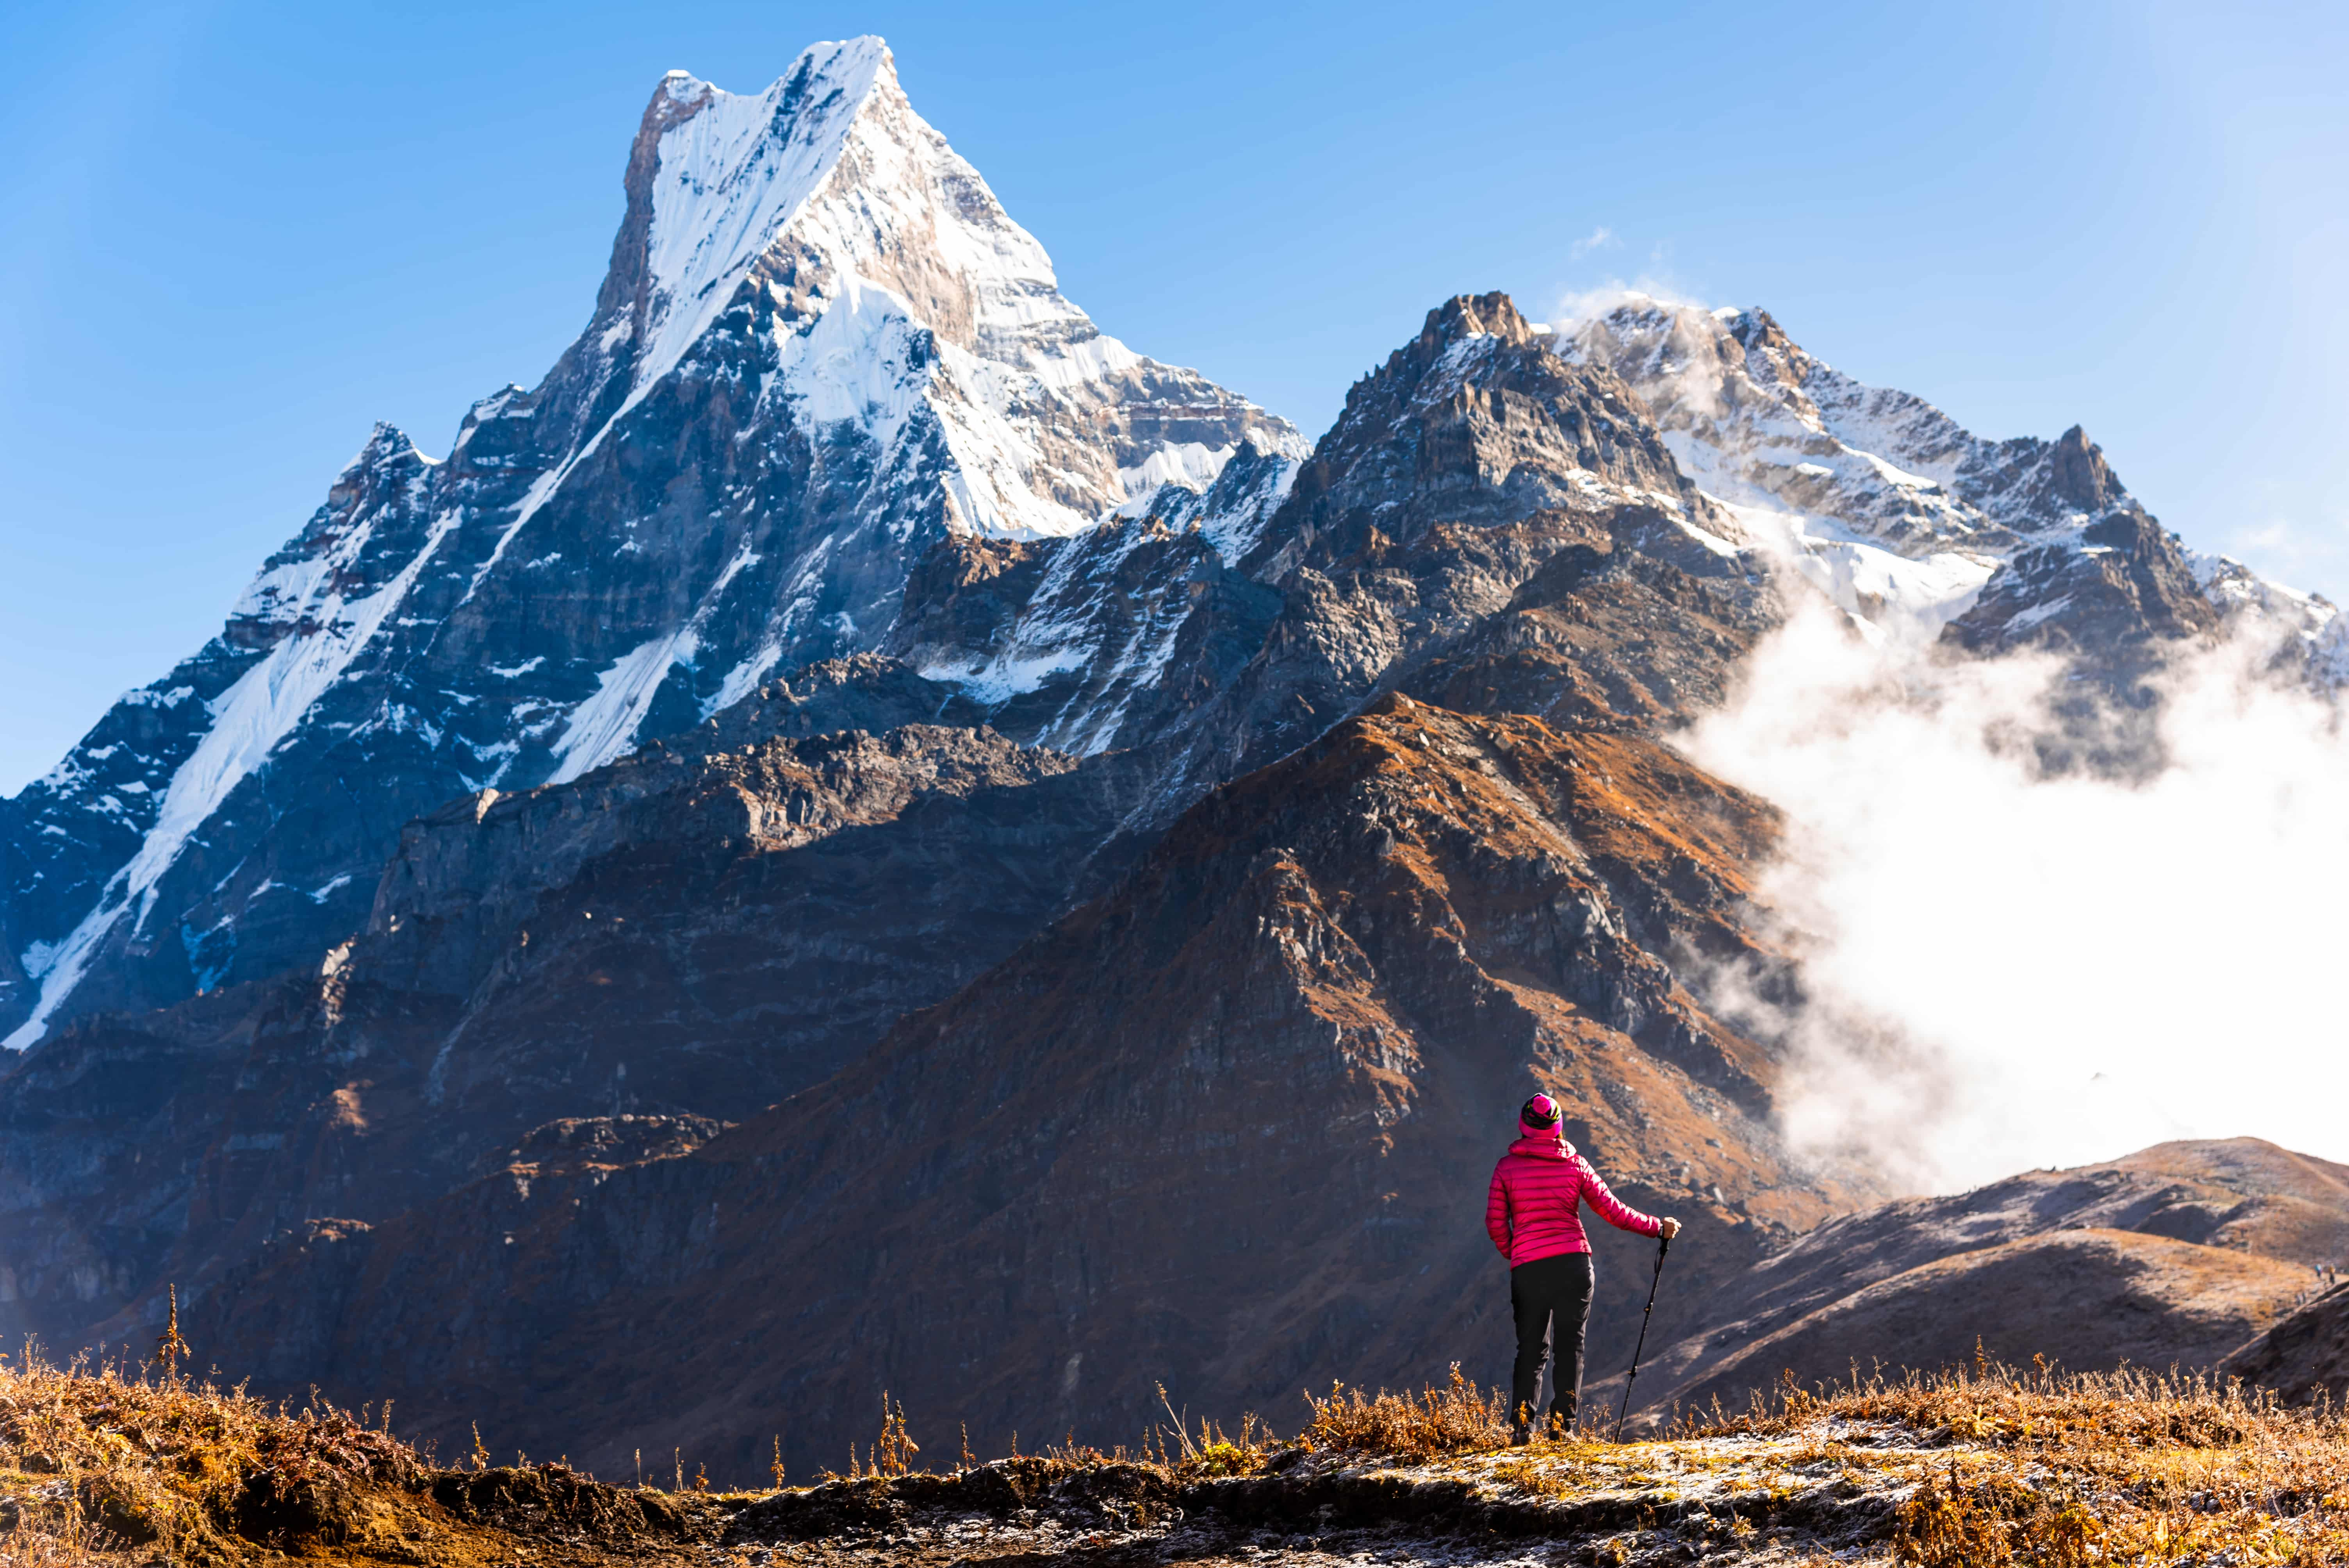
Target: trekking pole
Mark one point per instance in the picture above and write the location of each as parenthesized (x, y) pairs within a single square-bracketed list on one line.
[(1664, 1244)]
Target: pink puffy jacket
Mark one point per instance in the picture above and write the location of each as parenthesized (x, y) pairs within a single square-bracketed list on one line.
[(1531, 1210)]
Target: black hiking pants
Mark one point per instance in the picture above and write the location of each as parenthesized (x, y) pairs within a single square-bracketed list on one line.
[(1551, 1299)]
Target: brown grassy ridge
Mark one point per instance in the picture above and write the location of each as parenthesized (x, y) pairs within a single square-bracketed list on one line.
[(118, 1465), (1981, 1465), (108, 1460)]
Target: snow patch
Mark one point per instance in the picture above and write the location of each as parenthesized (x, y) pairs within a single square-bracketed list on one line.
[(741, 680), (604, 725), (1191, 464)]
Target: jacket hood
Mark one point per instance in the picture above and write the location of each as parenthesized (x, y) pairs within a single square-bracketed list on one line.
[(1542, 1143)]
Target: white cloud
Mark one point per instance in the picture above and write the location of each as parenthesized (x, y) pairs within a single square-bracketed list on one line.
[(1585, 304), (1599, 238), (2007, 970)]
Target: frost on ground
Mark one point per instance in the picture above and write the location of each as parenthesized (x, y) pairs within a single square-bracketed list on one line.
[(1974, 1467), (1835, 1490), (1980, 1466)]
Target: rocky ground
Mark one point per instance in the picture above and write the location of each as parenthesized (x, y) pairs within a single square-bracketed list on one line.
[(1741, 1499), (1745, 1499), (1979, 1466)]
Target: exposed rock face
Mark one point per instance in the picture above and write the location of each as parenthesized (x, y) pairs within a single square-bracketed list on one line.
[(1482, 506), (2123, 582), (821, 349), (2179, 1253), (1227, 626), (1227, 1126), (669, 935)]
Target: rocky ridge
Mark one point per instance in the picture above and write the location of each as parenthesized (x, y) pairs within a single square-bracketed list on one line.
[(1911, 524)]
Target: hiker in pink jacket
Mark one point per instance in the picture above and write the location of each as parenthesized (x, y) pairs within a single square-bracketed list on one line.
[(1531, 1213)]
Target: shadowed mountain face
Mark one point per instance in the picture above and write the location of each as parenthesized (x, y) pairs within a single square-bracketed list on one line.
[(863, 835), (1227, 1126), (716, 921), (2304, 1357), (668, 937)]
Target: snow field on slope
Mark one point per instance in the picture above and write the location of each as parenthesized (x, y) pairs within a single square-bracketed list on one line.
[(250, 720), (604, 726)]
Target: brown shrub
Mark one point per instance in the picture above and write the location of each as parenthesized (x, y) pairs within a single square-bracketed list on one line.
[(92, 1458), (1452, 1419)]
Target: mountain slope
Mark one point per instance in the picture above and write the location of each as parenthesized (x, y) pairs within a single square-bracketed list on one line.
[(673, 935), (2304, 1357), (1227, 1125), (822, 347), (720, 919), (2178, 1252)]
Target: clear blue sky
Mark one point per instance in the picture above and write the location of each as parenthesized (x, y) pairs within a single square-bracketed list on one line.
[(238, 235)]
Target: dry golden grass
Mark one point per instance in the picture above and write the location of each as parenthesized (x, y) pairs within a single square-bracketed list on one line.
[(1455, 1419), (2072, 1469), (1989, 1465), (2001, 1465), (93, 1458)]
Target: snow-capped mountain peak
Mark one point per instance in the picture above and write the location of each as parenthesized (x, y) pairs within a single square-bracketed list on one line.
[(1895, 510), (892, 278), (728, 173), (821, 348)]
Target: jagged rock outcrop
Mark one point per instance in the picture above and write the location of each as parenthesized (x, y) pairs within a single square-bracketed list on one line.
[(1223, 626), (1482, 506), (2125, 583)]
